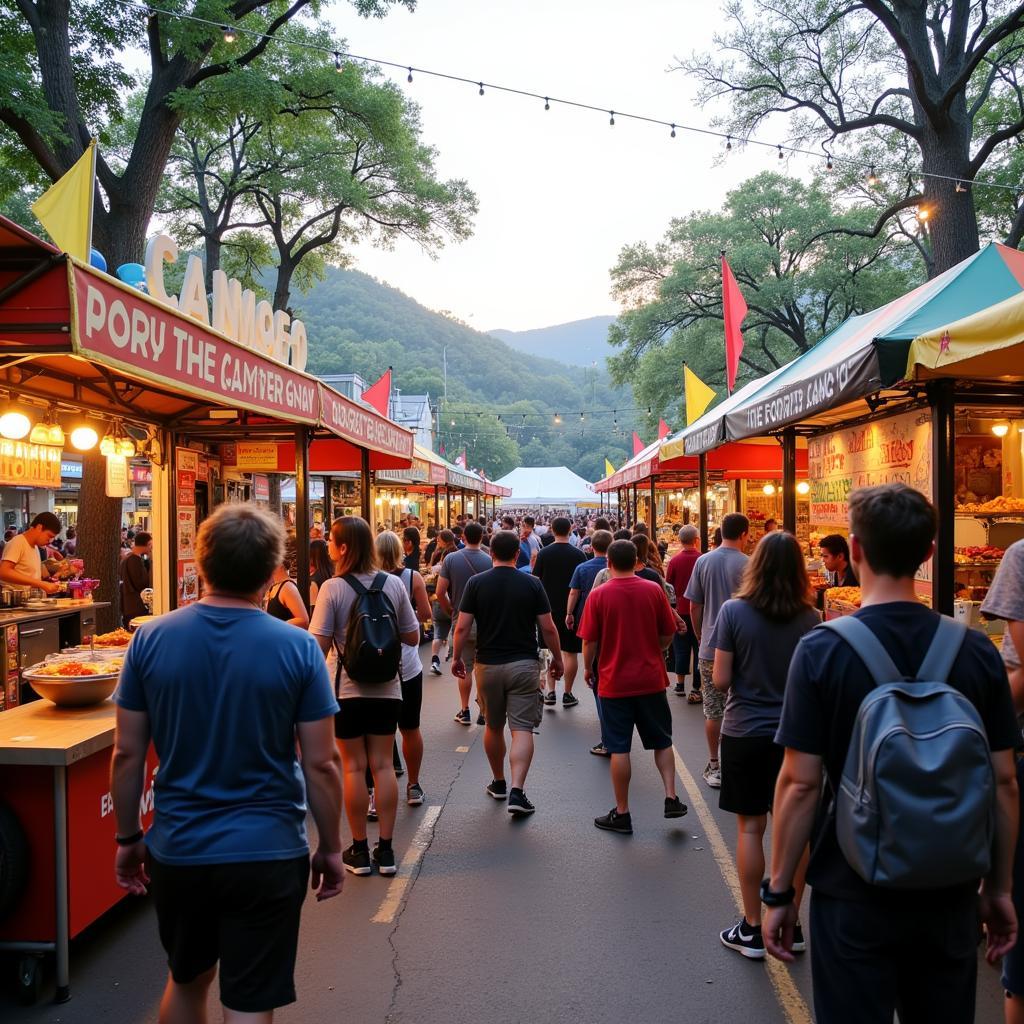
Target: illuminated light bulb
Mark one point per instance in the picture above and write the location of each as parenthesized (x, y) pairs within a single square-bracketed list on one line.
[(768, 489), (84, 438), (999, 429), (872, 177), (40, 434), (230, 35), (126, 447), (803, 487), (547, 103), (338, 66), (108, 446), (828, 163), (14, 425), (923, 214), (56, 435)]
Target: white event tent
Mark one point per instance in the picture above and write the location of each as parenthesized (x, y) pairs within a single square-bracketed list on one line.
[(547, 487)]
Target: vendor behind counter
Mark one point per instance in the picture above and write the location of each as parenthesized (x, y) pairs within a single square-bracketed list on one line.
[(21, 564)]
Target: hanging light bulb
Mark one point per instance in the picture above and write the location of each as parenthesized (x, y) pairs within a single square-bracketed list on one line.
[(923, 214), (558, 419), (338, 66), (14, 425), (481, 84), (803, 487), (1000, 429), (673, 134), (768, 489), (611, 118), (828, 162), (409, 79), (126, 447), (108, 446), (547, 103), (960, 187), (230, 35), (780, 153), (84, 438), (728, 142), (872, 177)]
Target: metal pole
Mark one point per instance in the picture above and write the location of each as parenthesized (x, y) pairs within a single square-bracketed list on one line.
[(365, 484), (447, 506), (171, 459), (63, 921), (328, 489), (653, 524), (789, 480), (702, 484), (437, 507), (941, 397), (635, 510), (302, 513)]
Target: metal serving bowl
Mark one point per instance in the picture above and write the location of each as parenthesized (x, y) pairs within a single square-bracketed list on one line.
[(73, 691)]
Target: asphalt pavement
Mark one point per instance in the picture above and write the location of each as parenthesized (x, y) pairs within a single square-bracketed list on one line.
[(506, 921)]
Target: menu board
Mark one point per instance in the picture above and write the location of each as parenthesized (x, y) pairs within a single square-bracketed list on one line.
[(186, 473), (897, 449)]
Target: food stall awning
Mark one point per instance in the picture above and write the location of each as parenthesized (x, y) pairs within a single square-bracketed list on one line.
[(493, 490), (863, 356), (417, 473)]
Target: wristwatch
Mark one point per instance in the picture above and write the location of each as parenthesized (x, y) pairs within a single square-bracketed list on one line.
[(776, 899), (130, 840)]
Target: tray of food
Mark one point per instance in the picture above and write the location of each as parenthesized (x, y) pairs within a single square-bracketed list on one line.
[(74, 684), (116, 638), (842, 600), (74, 669)]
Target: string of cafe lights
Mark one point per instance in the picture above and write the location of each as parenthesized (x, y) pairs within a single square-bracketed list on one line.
[(231, 33)]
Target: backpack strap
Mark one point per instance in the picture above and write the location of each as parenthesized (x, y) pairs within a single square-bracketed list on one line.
[(867, 647), (378, 583), (355, 584), (938, 662)]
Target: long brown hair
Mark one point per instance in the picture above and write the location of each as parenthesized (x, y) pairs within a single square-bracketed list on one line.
[(353, 532), (775, 580), (445, 545)]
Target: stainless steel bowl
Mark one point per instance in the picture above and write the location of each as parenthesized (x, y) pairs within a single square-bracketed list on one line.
[(75, 692)]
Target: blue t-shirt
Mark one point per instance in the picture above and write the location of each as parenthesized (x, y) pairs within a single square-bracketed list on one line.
[(525, 555), (583, 577), (224, 689)]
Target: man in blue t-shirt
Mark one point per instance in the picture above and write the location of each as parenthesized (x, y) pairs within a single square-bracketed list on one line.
[(223, 690), (580, 586)]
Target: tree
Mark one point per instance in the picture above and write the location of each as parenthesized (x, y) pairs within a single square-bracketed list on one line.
[(922, 72), (64, 81), (799, 280)]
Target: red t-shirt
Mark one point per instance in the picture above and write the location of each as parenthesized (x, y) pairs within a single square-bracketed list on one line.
[(625, 617), (678, 573)]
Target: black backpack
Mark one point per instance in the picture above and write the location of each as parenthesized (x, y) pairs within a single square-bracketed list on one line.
[(373, 646)]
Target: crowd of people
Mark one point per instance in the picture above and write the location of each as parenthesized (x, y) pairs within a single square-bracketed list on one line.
[(518, 605)]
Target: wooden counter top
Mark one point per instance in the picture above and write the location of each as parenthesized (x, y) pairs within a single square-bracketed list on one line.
[(40, 733), (12, 615)]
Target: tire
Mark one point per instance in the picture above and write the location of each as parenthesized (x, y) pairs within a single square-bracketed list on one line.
[(14, 860)]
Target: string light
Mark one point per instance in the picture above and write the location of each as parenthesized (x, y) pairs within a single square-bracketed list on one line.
[(960, 187), (923, 214), (828, 163), (872, 177), (481, 84), (547, 103), (728, 142), (780, 153), (338, 66), (230, 35), (611, 117), (673, 131), (409, 79)]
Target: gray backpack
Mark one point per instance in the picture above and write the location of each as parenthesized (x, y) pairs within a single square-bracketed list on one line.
[(915, 807)]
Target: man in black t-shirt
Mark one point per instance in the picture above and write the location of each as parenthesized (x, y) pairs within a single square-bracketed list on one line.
[(508, 606), (875, 949), (554, 568)]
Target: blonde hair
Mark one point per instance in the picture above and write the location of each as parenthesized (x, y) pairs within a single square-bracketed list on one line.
[(389, 551)]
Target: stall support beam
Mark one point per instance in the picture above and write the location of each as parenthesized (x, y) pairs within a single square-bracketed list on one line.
[(447, 506), (702, 484), (365, 484), (328, 488), (302, 513), (63, 922), (437, 507), (941, 396), (789, 480), (653, 524)]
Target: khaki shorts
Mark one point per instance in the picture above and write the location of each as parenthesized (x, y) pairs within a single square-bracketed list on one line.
[(469, 653), (510, 692)]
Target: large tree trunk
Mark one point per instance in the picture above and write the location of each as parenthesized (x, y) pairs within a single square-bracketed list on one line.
[(283, 288), (212, 246), (99, 537)]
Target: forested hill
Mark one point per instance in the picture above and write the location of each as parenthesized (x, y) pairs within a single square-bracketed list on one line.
[(356, 324), (580, 342)]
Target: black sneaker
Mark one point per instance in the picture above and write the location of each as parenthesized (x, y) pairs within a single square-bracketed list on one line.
[(549, 699), (680, 690), (569, 700), (357, 861), (674, 807), (414, 795), (435, 666), (615, 822), (480, 720), (518, 804), (744, 938), (799, 942), (384, 859), (463, 717), (600, 750), (497, 789)]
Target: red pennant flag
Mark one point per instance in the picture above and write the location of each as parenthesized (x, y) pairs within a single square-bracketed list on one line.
[(663, 429), (734, 309), (379, 395), (638, 445)]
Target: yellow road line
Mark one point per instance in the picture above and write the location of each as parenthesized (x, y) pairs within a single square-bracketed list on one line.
[(462, 750), (410, 860), (788, 995)]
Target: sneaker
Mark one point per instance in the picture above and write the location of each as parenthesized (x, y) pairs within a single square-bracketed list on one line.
[(371, 810), (713, 775), (674, 807), (518, 804), (549, 699), (694, 697), (384, 859), (745, 939), (357, 861), (497, 789), (463, 717), (600, 750), (435, 666), (615, 822), (569, 700), (680, 690), (414, 795), (480, 720), (799, 942)]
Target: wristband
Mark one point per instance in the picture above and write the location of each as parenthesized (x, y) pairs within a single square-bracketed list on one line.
[(129, 840), (776, 899)]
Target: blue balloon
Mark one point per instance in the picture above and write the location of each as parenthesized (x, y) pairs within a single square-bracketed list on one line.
[(97, 260), (133, 274)]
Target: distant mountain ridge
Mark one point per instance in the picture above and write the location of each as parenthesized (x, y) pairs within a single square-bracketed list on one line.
[(579, 342)]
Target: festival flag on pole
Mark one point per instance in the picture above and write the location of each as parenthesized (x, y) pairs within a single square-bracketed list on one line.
[(379, 395), (734, 309), (65, 208), (638, 445), (663, 429), (698, 395), (608, 469)]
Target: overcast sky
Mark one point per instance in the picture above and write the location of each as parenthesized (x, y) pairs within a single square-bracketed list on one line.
[(560, 191)]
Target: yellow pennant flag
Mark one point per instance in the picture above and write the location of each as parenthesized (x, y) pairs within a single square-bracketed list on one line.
[(698, 395), (65, 208), (608, 469)]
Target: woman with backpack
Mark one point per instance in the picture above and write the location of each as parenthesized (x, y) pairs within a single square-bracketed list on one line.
[(755, 636), (362, 618)]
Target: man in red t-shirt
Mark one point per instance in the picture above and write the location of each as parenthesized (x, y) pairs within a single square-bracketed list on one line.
[(630, 622), (685, 645)]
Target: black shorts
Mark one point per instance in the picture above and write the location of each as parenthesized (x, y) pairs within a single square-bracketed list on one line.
[(412, 701), (750, 766), (650, 715), (366, 716), (568, 639), (244, 916), (1013, 962)]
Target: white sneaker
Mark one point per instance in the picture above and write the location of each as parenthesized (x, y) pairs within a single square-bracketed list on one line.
[(713, 775)]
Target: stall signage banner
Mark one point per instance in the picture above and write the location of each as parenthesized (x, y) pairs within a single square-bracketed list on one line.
[(896, 449), (118, 484), (121, 326), (463, 480), (71, 470), (631, 474), (418, 473), (437, 474), (250, 456), (705, 439), (363, 426), (141, 475), (29, 465), (260, 487)]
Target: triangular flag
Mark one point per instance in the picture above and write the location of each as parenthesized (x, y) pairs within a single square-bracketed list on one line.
[(638, 445), (663, 429), (734, 309), (608, 469), (698, 395), (379, 395), (65, 208)]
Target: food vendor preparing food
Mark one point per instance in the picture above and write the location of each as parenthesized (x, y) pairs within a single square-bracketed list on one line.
[(21, 564), (835, 555)]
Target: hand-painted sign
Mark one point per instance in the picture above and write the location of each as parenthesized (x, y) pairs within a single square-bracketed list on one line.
[(363, 427)]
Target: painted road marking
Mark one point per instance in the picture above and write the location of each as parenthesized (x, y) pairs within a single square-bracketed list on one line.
[(792, 1003), (407, 869), (462, 750)]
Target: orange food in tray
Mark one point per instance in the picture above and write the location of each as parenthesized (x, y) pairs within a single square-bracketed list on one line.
[(74, 668), (117, 638), (844, 595)]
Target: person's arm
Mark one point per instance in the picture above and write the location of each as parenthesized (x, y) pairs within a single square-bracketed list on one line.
[(289, 597), (697, 618), (462, 628), (9, 574), (796, 800), (420, 600), (550, 635), (321, 767), (127, 781), (722, 675), (441, 595), (1017, 673), (570, 607), (996, 909), (314, 589), (589, 661)]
